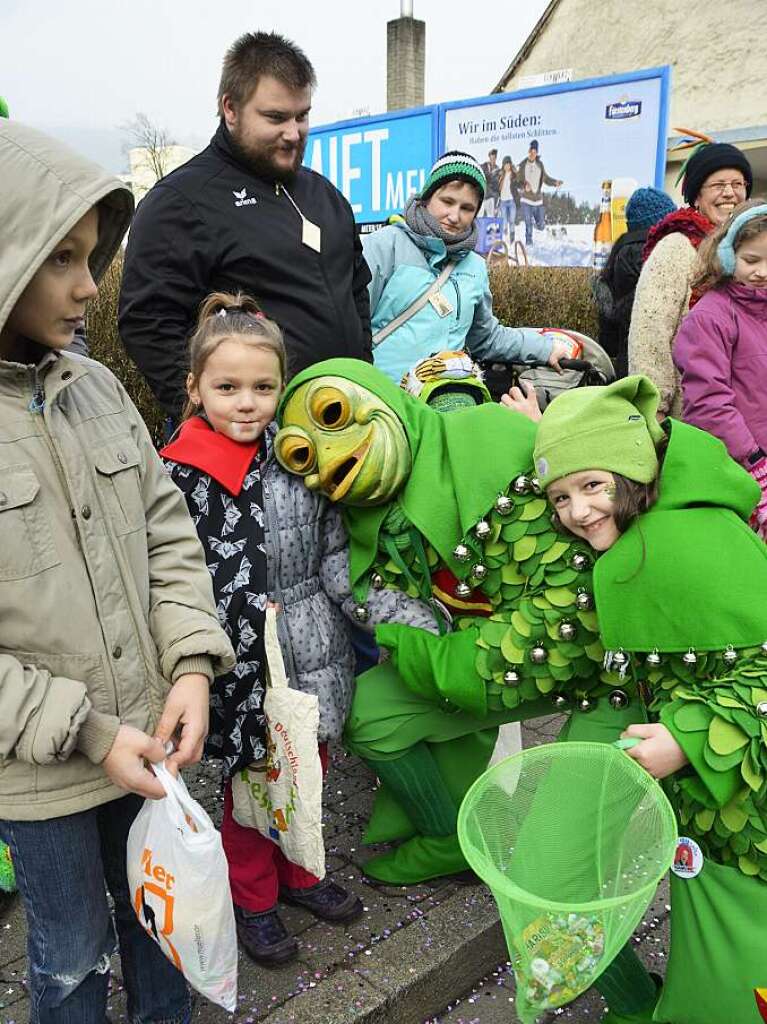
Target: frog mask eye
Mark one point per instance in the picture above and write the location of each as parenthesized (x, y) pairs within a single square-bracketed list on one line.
[(330, 408), (295, 451)]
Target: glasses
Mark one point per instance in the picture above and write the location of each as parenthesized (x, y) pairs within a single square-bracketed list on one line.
[(718, 187)]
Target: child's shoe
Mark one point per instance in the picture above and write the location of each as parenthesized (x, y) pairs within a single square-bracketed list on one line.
[(326, 900), (264, 937)]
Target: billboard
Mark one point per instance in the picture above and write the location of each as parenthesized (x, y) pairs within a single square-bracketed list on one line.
[(377, 162), (585, 133)]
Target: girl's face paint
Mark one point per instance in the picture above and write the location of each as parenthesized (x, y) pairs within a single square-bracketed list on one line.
[(585, 505)]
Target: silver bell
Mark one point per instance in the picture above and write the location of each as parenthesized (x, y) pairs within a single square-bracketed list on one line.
[(503, 505), (521, 485), (690, 658), (482, 529), (539, 655), (567, 630), (586, 704), (535, 483), (653, 659), (361, 614), (583, 601), (479, 571), (730, 656), (462, 589), (618, 699), (511, 678), (560, 701), (580, 562), (461, 553), (761, 709), (377, 581), (620, 658)]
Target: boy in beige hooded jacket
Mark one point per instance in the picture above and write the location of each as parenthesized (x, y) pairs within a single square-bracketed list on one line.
[(108, 632)]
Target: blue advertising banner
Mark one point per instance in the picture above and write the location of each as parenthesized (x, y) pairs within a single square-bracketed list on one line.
[(378, 163), (547, 152)]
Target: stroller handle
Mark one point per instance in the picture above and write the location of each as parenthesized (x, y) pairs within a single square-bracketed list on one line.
[(581, 365)]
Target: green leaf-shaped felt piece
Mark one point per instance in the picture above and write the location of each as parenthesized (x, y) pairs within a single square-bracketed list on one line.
[(482, 666), (511, 652), (498, 549), (534, 508), (722, 762), (704, 819), (595, 651), (524, 548), (492, 632), (732, 816), (555, 551), (510, 573), (556, 658), (739, 844), (589, 620), (750, 774), (724, 738), (725, 700), (521, 624), (560, 597), (511, 697), (692, 717), (762, 845), (543, 541), (546, 683), (562, 578), (748, 866), (744, 720)]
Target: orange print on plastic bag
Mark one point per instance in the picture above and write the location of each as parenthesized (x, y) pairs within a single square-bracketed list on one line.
[(159, 886)]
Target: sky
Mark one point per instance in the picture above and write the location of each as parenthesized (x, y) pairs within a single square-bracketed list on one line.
[(82, 68)]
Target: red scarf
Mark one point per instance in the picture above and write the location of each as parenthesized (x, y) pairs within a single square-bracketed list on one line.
[(202, 447), (688, 222)]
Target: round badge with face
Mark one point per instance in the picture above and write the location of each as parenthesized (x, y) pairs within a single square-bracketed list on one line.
[(688, 859), (344, 441)]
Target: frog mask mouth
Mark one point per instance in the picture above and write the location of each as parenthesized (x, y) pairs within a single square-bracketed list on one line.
[(344, 441)]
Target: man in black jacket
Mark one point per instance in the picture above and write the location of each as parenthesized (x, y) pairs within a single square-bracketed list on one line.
[(245, 215)]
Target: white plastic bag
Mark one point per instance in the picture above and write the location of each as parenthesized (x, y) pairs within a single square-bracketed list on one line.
[(179, 884), (282, 798)]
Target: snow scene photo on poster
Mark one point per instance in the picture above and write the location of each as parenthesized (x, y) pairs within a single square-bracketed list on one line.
[(554, 155)]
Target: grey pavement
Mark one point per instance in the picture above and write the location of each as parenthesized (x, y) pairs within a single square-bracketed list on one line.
[(423, 954)]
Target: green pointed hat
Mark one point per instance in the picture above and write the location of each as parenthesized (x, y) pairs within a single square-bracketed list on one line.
[(612, 428)]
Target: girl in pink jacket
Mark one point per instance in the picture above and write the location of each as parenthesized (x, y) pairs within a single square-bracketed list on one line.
[(721, 348)]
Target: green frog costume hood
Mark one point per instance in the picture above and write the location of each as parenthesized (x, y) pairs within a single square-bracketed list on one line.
[(459, 463), (689, 572)]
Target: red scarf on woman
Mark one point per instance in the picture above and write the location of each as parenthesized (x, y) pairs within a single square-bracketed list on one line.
[(688, 222)]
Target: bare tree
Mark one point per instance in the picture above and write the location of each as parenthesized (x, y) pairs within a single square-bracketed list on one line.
[(144, 134)]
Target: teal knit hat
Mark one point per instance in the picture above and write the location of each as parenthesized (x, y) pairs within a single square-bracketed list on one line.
[(612, 428), (454, 166)]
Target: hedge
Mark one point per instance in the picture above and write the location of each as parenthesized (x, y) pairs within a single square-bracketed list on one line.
[(529, 296)]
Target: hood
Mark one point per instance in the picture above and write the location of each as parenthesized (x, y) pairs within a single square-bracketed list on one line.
[(461, 461), (46, 189), (690, 572)]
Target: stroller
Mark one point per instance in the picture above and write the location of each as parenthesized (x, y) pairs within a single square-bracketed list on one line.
[(594, 367)]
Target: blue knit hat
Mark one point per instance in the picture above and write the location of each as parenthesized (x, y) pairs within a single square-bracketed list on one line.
[(646, 207)]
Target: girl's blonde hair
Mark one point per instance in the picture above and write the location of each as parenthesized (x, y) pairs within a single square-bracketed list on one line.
[(222, 317), (708, 271)]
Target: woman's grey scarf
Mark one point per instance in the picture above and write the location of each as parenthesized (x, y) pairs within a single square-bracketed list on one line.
[(419, 220)]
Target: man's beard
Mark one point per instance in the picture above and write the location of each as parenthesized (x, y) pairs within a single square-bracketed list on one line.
[(260, 163)]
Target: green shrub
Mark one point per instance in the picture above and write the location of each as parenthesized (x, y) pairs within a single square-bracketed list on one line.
[(544, 297), (105, 345)]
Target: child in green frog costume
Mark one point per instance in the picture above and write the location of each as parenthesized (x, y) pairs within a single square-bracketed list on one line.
[(680, 585)]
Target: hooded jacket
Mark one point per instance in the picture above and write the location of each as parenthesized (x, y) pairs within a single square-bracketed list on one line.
[(213, 225), (104, 594), (721, 353), (403, 264)]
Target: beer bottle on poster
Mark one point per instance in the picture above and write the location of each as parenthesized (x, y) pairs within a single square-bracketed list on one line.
[(603, 232)]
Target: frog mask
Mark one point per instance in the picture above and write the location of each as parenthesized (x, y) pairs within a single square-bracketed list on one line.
[(344, 441)]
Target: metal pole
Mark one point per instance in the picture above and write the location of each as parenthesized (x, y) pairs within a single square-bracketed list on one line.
[(406, 8)]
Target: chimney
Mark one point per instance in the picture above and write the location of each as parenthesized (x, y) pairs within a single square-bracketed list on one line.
[(405, 52)]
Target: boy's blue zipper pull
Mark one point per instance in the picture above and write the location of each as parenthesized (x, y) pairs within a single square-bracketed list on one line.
[(37, 401)]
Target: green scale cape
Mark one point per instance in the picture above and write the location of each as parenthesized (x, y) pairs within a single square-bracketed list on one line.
[(691, 575)]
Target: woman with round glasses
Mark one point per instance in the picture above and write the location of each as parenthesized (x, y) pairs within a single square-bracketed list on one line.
[(717, 177)]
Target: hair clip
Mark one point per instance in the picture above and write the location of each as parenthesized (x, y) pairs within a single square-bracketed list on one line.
[(221, 312)]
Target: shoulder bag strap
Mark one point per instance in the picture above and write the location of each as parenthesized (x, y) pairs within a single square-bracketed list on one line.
[(414, 306)]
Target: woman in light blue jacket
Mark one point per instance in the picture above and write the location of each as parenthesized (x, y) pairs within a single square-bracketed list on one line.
[(406, 258)]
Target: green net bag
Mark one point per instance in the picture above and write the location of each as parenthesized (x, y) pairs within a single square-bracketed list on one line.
[(572, 839)]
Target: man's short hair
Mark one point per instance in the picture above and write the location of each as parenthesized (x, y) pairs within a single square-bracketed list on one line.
[(256, 54), (492, 152)]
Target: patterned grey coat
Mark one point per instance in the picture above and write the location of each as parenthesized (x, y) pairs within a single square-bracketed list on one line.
[(307, 556)]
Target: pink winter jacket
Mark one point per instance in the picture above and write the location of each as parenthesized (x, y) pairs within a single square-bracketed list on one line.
[(721, 353)]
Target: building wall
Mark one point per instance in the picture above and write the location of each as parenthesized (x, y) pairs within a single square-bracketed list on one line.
[(716, 50)]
